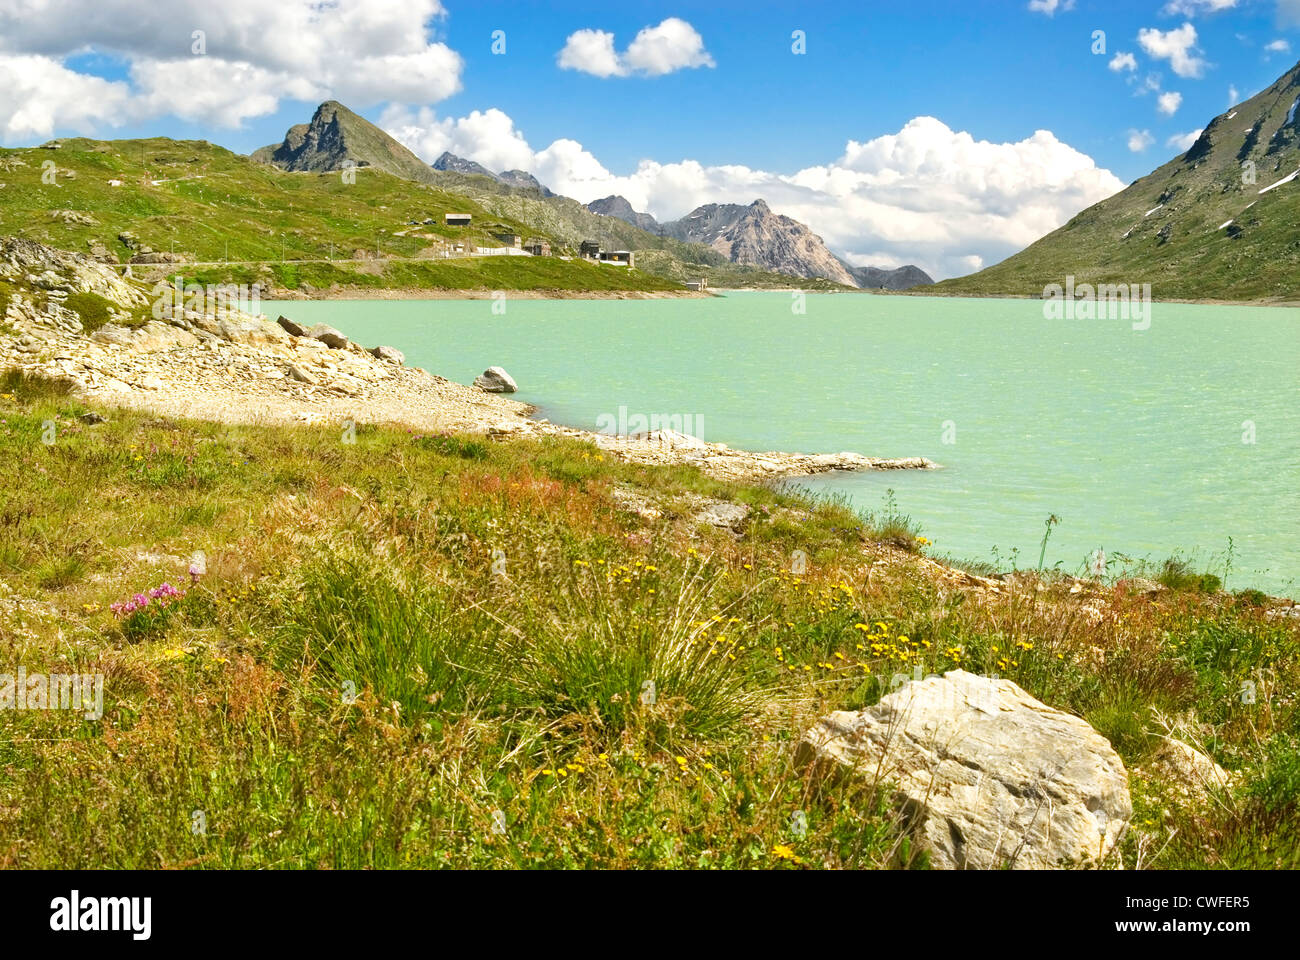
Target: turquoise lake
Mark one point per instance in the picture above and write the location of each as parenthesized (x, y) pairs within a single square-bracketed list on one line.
[(1146, 443)]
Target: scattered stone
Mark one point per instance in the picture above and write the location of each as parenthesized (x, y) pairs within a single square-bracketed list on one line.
[(299, 374), (92, 418), (1188, 769), (985, 775), (495, 380), (292, 328), (721, 513), (388, 354), (328, 335)]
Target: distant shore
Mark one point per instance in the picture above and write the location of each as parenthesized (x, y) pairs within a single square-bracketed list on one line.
[(366, 293)]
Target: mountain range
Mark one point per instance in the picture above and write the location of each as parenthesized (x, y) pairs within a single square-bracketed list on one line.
[(754, 235), (748, 236), (1217, 222)]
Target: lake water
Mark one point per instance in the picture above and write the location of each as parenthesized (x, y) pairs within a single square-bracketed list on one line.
[(1171, 439)]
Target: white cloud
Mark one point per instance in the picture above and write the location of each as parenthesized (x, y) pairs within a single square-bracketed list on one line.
[(1190, 8), (1279, 46), (1139, 140), (1183, 141), (592, 51), (363, 52), (673, 45), (1168, 103), (1123, 61), (1288, 11), (926, 195), (1050, 7), (1177, 46), (1234, 96), (486, 136), (38, 94)]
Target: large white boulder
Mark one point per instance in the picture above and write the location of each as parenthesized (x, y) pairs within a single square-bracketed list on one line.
[(495, 380), (986, 775)]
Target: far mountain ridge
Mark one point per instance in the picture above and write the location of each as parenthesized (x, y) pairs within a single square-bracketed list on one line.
[(756, 236), (616, 206), (519, 179)]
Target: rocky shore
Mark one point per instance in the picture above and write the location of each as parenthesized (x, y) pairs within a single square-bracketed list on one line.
[(225, 365)]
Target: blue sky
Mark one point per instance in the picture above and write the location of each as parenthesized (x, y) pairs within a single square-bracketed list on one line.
[(905, 133), (990, 67)]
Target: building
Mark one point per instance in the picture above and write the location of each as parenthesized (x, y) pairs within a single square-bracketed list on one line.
[(538, 248), (458, 219), (589, 250), (699, 286), (510, 240), (618, 258)]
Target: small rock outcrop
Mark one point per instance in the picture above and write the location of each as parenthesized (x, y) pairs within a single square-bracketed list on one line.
[(495, 380), (1191, 771), (389, 354), (985, 775), (291, 327), (332, 338)]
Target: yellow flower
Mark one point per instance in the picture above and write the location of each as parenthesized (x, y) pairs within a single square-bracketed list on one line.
[(782, 852)]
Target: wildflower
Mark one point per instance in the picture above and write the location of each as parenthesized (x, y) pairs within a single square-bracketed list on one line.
[(782, 852)]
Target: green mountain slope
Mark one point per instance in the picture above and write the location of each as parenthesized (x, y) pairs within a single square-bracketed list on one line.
[(116, 200), (1218, 222)]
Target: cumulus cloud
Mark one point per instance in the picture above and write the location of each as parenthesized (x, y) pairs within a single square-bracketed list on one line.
[(248, 56), (671, 46), (927, 194), (1139, 140), (1168, 103), (1279, 46), (38, 94), (1177, 46), (1183, 141), (592, 51), (486, 136), (1123, 61)]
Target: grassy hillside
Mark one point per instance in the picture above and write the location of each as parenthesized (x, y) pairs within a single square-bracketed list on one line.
[(212, 205), (1170, 228), (351, 685)]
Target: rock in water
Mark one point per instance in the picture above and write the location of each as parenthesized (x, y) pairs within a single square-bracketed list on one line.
[(986, 775), (495, 380)]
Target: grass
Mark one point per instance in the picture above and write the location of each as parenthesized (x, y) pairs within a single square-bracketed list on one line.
[(449, 652)]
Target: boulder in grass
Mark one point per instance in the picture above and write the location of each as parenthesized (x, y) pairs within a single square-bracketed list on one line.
[(984, 775), (495, 380)]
